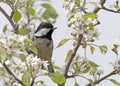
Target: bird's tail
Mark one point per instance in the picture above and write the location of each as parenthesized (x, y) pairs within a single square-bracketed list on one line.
[(50, 68)]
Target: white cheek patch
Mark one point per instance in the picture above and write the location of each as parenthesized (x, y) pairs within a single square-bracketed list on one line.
[(42, 32)]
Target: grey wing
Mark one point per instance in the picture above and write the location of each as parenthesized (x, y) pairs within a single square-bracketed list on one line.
[(44, 51)]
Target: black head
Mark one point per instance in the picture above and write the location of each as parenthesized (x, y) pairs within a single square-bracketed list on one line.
[(44, 30), (46, 25)]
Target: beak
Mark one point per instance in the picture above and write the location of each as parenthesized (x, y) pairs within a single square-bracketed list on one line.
[(54, 28)]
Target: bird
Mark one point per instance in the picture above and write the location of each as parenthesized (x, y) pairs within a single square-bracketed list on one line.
[(43, 42)]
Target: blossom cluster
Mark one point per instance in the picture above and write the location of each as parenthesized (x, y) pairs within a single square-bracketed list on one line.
[(84, 28), (82, 65), (13, 43), (18, 60), (116, 65), (31, 64), (77, 19), (79, 64)]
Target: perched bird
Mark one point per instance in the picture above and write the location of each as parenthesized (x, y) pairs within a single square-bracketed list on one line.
[(43, 42)]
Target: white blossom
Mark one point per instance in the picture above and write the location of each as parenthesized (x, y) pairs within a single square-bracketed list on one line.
[(21, 67), (13, 43), (100, 71), (79, 64), (7, 62), (22, 38), (68, 6), (88, 21), (72, 6), (33, 60)]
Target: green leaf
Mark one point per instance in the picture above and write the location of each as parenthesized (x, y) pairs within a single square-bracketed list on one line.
[(49, 12), (92, 49), (116, 4), (103, 49), (26, 79), (77, 2), (56, 67), (86, 70), (5, 28), (62, 42), (76, 84), (3, 53), (33, 49), (28, 41), (90, 15), (22, 57), (91, 26), (115, 50), (91, 40), (41, 82), (115, 82), (93, 64), (115, 45), (90, 80), (58, 78), (24, 31), (30, 2), (68, 55), (30, 10), (72, 16), (17, 16)]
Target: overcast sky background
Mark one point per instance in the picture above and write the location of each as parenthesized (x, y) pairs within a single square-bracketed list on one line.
[(110, 34)]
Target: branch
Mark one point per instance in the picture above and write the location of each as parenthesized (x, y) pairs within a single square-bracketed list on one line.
[(33, 80), (98, 81), (110, 10), (10, 20), (72, 55), (102, 2), (10, 72)]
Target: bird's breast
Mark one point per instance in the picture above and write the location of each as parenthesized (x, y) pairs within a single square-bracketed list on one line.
[(44, 48)]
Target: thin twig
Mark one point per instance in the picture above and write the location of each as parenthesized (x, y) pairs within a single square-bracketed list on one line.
[(103, 78), (110, 10), (10, 20), (102, 2), (28, 16), (10, 72), (33, 80)]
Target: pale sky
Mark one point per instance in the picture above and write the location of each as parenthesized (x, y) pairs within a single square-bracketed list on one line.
[(110, 34)]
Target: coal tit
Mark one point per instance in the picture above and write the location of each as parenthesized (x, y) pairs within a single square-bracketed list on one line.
[(43, 42)]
